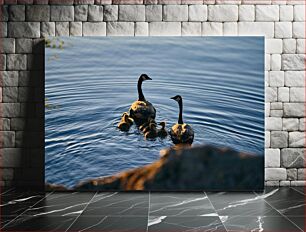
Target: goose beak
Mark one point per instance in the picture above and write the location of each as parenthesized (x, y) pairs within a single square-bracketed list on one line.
[(149, 78), (172, 98)]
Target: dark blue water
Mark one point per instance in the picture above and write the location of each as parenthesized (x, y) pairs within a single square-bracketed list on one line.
[(92, 81)]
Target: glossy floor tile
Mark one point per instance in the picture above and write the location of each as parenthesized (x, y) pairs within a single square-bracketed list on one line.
[(110, 223), (180, 224), (180, 204), (275, 209), (259, 223)]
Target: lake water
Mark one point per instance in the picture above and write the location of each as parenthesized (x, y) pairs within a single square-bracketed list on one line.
[(92, 81)]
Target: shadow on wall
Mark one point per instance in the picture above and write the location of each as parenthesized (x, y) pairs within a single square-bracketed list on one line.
[(31, 139)]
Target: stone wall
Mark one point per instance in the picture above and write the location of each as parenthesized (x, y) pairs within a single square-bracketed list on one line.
[(25, 22)]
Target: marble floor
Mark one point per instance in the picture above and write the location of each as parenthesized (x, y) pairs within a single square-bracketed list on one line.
[(274, 210)]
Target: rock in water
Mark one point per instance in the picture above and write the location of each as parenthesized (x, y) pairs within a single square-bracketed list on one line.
[(189, 168)]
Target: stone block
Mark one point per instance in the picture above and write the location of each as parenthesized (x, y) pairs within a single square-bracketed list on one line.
[(75, 28), (298, 30), (9, 78), (299, 13), (297, 183), (62, 29), (95, 13), (284, 183), (24, 45), (294, 110), (272, 158), (62, 13), (2, 62), (273, 46), (191, 29), (300, 46), (256, 28), (301, 174), (283, 30), (289, 46), (120, 29), (11, 110), (17, 13), (131, 13), (275, 174), (291, 174), (165, 29), (16, 62), (154, 13), (246, 13), (24, 29), (81, 12), (295, 78), (267, 13), (271, 94), (197, 13), (222, 13), (212, 29), (8, 45), (277, 79), (293, 158), (293, 61), (110, 13), (8, 139), (94, 29), (38, 13), (4, 13), (279, 139), (276, 113), (273, 123), (9, 94), (276, 62), (296, 139), (290, 124), (47, 29), (286, 13), (175, 13), (271, 183), (302, 124), (297, 94), (141, 29), (276, 106)]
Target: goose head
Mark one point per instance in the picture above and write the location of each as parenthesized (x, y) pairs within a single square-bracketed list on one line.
[(177, 98), (144, 77)]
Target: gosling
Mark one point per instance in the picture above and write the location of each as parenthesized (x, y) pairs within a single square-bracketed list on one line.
[(125, 123), (162, 133)]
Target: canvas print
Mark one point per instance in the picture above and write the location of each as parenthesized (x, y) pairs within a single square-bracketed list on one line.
[(154, 113)]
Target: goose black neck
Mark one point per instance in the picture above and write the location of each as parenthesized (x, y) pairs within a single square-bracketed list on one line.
[(180, 120), (140, 94)]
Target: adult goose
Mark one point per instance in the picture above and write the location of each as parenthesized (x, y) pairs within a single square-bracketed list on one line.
[(142, 110), (181, 133)]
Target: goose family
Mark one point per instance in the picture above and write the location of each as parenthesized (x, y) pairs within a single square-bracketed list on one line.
[(143, 113)]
